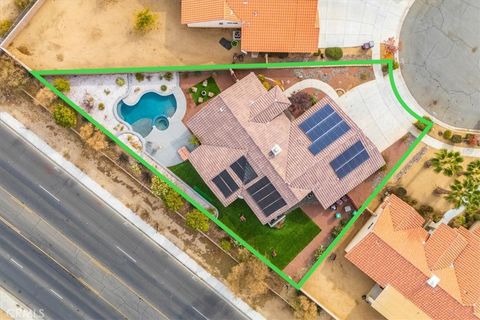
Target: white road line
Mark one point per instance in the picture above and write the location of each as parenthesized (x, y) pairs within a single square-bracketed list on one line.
[(129, 256), (49, 193), (199, 313), (59, 296), (15, 262)]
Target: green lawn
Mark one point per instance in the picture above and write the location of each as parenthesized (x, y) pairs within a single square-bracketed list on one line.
[(288, 241), (211, 87)]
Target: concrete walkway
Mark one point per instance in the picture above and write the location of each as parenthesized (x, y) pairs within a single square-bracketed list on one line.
[(119, 207), (312, 83)]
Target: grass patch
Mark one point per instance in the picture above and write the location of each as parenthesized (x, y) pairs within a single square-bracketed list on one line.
[(211, 87), (297, 232)]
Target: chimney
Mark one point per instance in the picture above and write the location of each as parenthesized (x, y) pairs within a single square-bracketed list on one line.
[(276, 150), (433, 281)]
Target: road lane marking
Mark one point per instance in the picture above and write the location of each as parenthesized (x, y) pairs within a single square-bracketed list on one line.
[(49, 193), (199, 313), (129, 256), (55, 293), (15, 262)]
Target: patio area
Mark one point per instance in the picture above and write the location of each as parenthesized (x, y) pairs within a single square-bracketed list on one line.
[(144, 110)]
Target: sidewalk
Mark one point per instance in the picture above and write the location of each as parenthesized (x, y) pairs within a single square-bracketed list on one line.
[(163, 242), (15, 309)]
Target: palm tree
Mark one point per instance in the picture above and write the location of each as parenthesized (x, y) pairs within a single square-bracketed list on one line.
[(465, 193), (473, 170), (447, 162)]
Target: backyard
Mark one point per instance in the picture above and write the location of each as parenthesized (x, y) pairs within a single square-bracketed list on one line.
[(296, 233), (204, 90), (100, 34)]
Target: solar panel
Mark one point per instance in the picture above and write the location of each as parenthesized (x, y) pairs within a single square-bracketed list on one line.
[(350, 159), (225, 183), (323, 128), (317, 117), (329, 137), (266, 196), (243, 170)]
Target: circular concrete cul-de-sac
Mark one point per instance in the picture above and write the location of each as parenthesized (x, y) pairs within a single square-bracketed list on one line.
[(440, 59)]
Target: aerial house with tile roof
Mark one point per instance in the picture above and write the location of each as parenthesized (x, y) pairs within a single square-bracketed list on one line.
[(266, 25), (419, 274), (251, 149)]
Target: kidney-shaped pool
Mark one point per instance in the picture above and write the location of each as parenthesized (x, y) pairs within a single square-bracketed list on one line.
[(151, 110)]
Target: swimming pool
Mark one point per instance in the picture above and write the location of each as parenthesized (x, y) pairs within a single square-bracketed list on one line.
[(151, 110)]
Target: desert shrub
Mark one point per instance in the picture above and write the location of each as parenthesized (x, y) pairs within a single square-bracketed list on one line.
[(22, 4), (318, 252), (395, 65), (420, 125), (64, 116), (120, 82), (226, 244), (197, 220), (447, 134), (334, 53), (12, 77), (146, 176), (139, 76), (456, 138), (45, 97), (363, 76), (425, 210), (301, 100), (170, 197), (168, 76), (384, 68), (305, 309), (317, 53), (24, 50), (400, 192), (145, 21), (5, 26), (193, 140), (163, 88), (458, 221), (61, 84), (101, 106), (266, 85), (249, 276)]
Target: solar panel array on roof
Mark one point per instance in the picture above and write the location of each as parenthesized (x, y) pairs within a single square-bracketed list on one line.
[(323, 128), (350, 159), (225, 183), (243, 170), (266, 196)]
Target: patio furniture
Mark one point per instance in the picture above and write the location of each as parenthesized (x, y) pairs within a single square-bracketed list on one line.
[(225, 43), (347, 209), (194, 89), (368, 45), (200, 100), (237, 35), (333, 207), (183, 153), (211, 94), (205, 83), (338, 215)]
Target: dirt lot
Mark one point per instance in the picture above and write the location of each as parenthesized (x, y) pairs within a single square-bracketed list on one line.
[(338, 285), (67, 34)]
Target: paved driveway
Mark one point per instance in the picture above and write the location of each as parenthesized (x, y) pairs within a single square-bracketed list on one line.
[(440, 59)]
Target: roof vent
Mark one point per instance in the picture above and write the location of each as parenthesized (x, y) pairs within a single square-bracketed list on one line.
[(433, 281), (276, 150)]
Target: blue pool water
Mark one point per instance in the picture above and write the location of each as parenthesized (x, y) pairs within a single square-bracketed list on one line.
[(151, 110)]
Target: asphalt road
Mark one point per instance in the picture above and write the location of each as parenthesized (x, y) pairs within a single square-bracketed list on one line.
[(106, 239), (51, 291)]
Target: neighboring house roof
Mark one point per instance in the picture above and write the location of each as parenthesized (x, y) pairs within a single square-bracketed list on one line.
[(398, 252), (247, 120), (267, 25)]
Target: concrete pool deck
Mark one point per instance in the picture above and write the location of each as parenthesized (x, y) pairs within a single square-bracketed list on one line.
[(160, 145)]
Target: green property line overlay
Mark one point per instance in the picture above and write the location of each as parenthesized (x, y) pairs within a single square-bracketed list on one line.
[(39, 74)]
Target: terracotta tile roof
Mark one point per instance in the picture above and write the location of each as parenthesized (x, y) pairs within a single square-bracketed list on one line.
[(194, 11), (249, 120), (406, 258), (267, 25)]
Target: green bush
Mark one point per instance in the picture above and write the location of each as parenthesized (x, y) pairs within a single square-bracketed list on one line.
[(168, 76), (197, 221), (64, 116), (145, 21), (384, 68), (5, 26), (226, 244), (420, 125), (334, 53), (400, 192), (22, 4), (120, 81), (101, 106), (170, 197), (447, 134), (456, 138), (61, 84), (139, 76), (395, 65)]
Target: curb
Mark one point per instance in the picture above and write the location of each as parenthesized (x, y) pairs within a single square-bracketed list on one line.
[(129, 215)]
